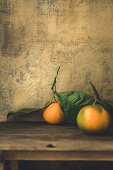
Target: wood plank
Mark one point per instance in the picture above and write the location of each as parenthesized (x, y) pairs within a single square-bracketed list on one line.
[(42, 137), (64, 145), (14, 165), (59, 155), (1, 165)]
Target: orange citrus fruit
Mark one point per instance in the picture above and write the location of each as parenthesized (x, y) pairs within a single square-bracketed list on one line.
[(94, 118), (53, 114)]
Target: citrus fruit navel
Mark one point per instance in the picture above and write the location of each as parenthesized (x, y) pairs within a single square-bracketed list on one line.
[(53, 114)]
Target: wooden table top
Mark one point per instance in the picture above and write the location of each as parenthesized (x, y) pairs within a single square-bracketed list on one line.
[(41, 141)]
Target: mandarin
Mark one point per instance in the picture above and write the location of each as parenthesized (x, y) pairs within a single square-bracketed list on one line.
[(53, 114), (94, 119)]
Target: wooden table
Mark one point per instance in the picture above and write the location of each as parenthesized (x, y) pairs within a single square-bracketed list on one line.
[(41, 141)]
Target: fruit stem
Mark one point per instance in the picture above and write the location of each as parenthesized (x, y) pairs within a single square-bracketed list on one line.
[(98, 99), (95, 91), (53, 87)]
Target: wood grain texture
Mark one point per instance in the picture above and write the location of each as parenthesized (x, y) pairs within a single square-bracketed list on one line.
[(2, 166), (14, 165), (40, 141), (59, 156)]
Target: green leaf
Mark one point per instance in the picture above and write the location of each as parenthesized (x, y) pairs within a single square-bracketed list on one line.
[(109, 104), (23, 111), (71, 102)]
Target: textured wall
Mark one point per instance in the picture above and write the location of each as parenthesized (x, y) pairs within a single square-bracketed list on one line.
[(37, 36)]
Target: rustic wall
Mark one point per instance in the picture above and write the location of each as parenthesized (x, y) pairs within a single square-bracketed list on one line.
[(37, 36)]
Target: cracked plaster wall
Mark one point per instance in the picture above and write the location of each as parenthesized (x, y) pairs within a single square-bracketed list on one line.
[(38, 36)]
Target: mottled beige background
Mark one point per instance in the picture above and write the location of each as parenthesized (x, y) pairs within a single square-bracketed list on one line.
[(38, 36)]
